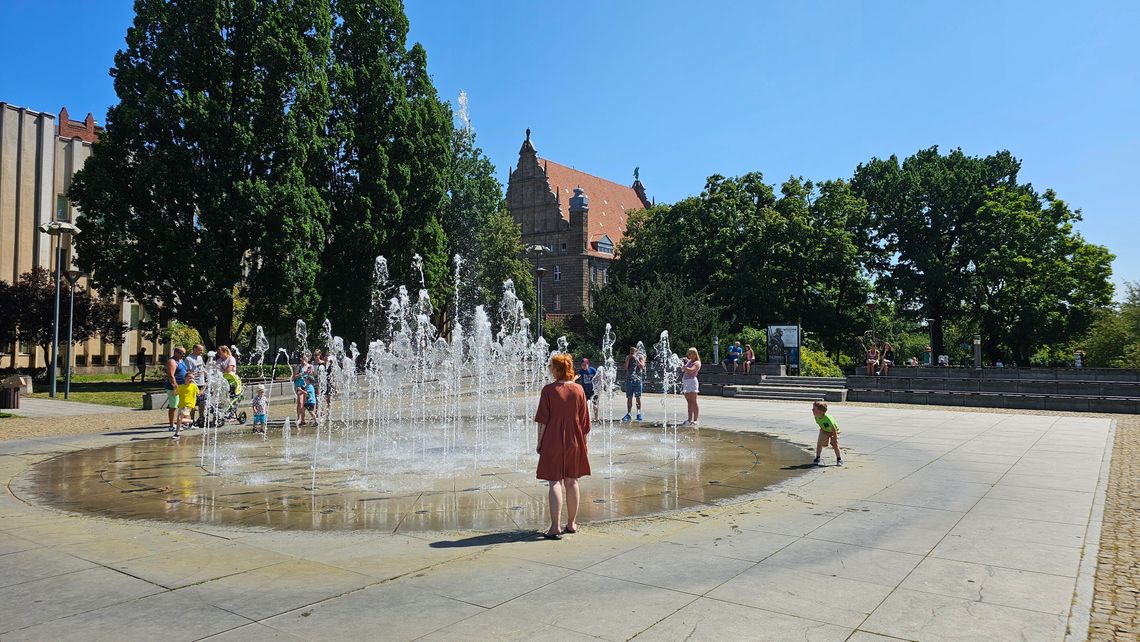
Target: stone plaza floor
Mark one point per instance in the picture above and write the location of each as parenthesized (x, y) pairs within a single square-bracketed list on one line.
[(941, 525)]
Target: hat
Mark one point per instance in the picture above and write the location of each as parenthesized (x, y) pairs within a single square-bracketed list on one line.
[(260, 388), (585, 360)]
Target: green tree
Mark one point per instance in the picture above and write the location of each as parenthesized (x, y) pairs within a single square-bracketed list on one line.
[(391, 149), (201, 181), (1113, 341), (9, 318), (499, 250), (641, 312), (1033, 281), (921, 214)]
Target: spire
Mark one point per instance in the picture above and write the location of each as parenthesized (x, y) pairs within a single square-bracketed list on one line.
[(527, 146)]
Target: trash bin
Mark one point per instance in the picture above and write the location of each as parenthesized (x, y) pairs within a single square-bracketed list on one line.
[(10, 393)]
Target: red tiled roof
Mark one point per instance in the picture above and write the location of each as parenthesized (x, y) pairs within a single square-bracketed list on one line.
[(610, 203)]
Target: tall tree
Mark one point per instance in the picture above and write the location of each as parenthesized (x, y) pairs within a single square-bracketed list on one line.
[(392, 152), (35, 293), (198, 190), (921, 211)]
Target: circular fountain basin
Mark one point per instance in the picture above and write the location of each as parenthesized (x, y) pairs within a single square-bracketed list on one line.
[(163, 479)]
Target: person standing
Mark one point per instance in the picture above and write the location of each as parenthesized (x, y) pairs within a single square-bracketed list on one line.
[(563, 420), (828, 432), (187, 399), (196, 365), (689, 386), (634, 381), (175, 376), (585, 379), (140, 364)]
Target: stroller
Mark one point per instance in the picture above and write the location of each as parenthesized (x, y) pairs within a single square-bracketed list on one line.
[(228, 408)]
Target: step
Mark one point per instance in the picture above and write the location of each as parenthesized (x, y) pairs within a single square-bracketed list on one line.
[(815, 382), (789, 392), (1073, 403)]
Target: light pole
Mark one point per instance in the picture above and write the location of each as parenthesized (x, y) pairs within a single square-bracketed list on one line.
[(61, 230), (73, 277), (540, 272), (871, 310), (538, 250)]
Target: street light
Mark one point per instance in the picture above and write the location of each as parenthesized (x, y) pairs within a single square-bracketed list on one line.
[(73, 277), (871, 310), (62, 230), (538, 250)]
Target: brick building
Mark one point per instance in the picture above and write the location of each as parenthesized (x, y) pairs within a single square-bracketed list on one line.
[(38, 157), (579, 218)]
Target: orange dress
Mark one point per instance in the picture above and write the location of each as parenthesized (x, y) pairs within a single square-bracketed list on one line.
[(562, 407)]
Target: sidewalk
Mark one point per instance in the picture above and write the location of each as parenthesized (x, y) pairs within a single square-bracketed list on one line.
[(35, 407)]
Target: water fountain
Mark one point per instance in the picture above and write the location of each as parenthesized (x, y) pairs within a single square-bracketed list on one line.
[(429, 431)]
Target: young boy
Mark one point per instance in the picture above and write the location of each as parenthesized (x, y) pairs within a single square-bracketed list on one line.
[(635, 375), (311, 400), (187, 399), (828, 432), (260, 410)]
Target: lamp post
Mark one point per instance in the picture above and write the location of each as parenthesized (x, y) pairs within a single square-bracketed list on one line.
[(538, 250), (73, 277), (61, 230), (871, 310), (540, 272)]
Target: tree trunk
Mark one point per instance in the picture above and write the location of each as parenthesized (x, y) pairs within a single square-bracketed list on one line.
[(224, 333)]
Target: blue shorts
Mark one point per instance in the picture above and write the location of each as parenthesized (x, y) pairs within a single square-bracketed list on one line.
[(633, 388), (259, 419), (310, 405)]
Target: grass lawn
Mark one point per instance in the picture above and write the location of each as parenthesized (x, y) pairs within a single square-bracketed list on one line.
[(106, 389)]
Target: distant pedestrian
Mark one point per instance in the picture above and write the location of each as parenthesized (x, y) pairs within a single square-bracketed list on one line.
[(260, 410), (563, 422), (140, 365), (175, 376), (828, 432), (634, 381), (689, 386)]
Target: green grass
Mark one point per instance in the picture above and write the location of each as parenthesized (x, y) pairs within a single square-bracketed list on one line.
[(105, 389), (5, 415)]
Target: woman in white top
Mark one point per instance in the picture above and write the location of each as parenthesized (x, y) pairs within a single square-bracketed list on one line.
[(225, 361), (689, 386)]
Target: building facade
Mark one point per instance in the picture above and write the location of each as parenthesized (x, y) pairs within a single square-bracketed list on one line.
[(38, 156), (579, 219)]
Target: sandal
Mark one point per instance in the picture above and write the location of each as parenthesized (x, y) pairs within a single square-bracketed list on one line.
[(567, 529), (546, 535)]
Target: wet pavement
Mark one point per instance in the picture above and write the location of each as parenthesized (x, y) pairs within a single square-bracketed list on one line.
[(941, 525)]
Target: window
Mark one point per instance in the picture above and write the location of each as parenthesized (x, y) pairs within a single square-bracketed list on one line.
[(593, 274), (136, 315), (80, 360), (97, 360), (113, 360), (605, 276), (557, 302), (25, 347), (563, 247), (62, 210), (557, 273), (605, 245)]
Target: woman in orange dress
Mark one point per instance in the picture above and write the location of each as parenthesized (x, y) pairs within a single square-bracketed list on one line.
[(563, 419)]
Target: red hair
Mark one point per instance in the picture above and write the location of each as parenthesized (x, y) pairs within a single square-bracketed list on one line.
[(562, 366)]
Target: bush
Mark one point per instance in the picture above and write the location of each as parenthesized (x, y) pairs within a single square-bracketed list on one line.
[(815, 363), (257, 372)]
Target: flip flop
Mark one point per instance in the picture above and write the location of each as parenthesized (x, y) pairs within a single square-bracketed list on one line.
[(567, 529), (549, 536)]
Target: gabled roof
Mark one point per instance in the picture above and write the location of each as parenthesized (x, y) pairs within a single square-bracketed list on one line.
[(610, 202)]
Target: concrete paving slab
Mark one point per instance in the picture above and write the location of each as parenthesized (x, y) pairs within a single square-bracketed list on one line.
[(873, 565), (51, 598), (37, 564), (993, 585), (166, 616), (906, 529), (827, 598), (489, 626), (197, 563), (707, 619), (253, 633), (487, 581), (672, 566), (911, 615)]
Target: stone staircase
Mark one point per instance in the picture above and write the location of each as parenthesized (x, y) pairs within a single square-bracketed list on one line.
[(791, 389)]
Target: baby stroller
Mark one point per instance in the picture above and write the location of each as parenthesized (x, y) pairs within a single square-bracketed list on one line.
[(228, 408)]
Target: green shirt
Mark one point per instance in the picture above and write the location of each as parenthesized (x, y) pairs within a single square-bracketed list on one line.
[(827, 424)]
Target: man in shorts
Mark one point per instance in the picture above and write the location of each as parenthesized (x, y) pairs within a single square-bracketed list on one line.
[(735, 353), (175, 376)]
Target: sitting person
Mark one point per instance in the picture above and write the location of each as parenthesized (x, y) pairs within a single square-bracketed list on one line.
[(734, 354), (749, 358), (888, 359), (872, 360)]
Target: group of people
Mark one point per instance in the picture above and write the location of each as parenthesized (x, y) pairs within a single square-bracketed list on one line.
[(634, 366), (739, 355), (880, 362), (184, 397)]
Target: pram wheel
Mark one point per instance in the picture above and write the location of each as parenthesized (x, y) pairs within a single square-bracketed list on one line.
[(242, 417)]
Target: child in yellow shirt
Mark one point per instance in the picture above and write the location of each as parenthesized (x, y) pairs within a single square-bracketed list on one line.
[(187, 399)]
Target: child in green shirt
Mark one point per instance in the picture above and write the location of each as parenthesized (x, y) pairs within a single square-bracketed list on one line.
[(828, 432)]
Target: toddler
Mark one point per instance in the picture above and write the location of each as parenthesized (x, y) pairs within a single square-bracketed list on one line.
[(260, 410), (187, 399), (828, 432)]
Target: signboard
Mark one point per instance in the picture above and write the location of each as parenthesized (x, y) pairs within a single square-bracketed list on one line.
[(784, 345)]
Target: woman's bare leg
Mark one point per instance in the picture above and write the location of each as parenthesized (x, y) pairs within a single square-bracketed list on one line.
[(572, 497), (555, 497)]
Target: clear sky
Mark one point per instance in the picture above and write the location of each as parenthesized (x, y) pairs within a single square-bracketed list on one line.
[(686, 89)]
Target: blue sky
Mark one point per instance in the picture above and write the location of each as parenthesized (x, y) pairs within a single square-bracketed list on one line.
[(686, 89)]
